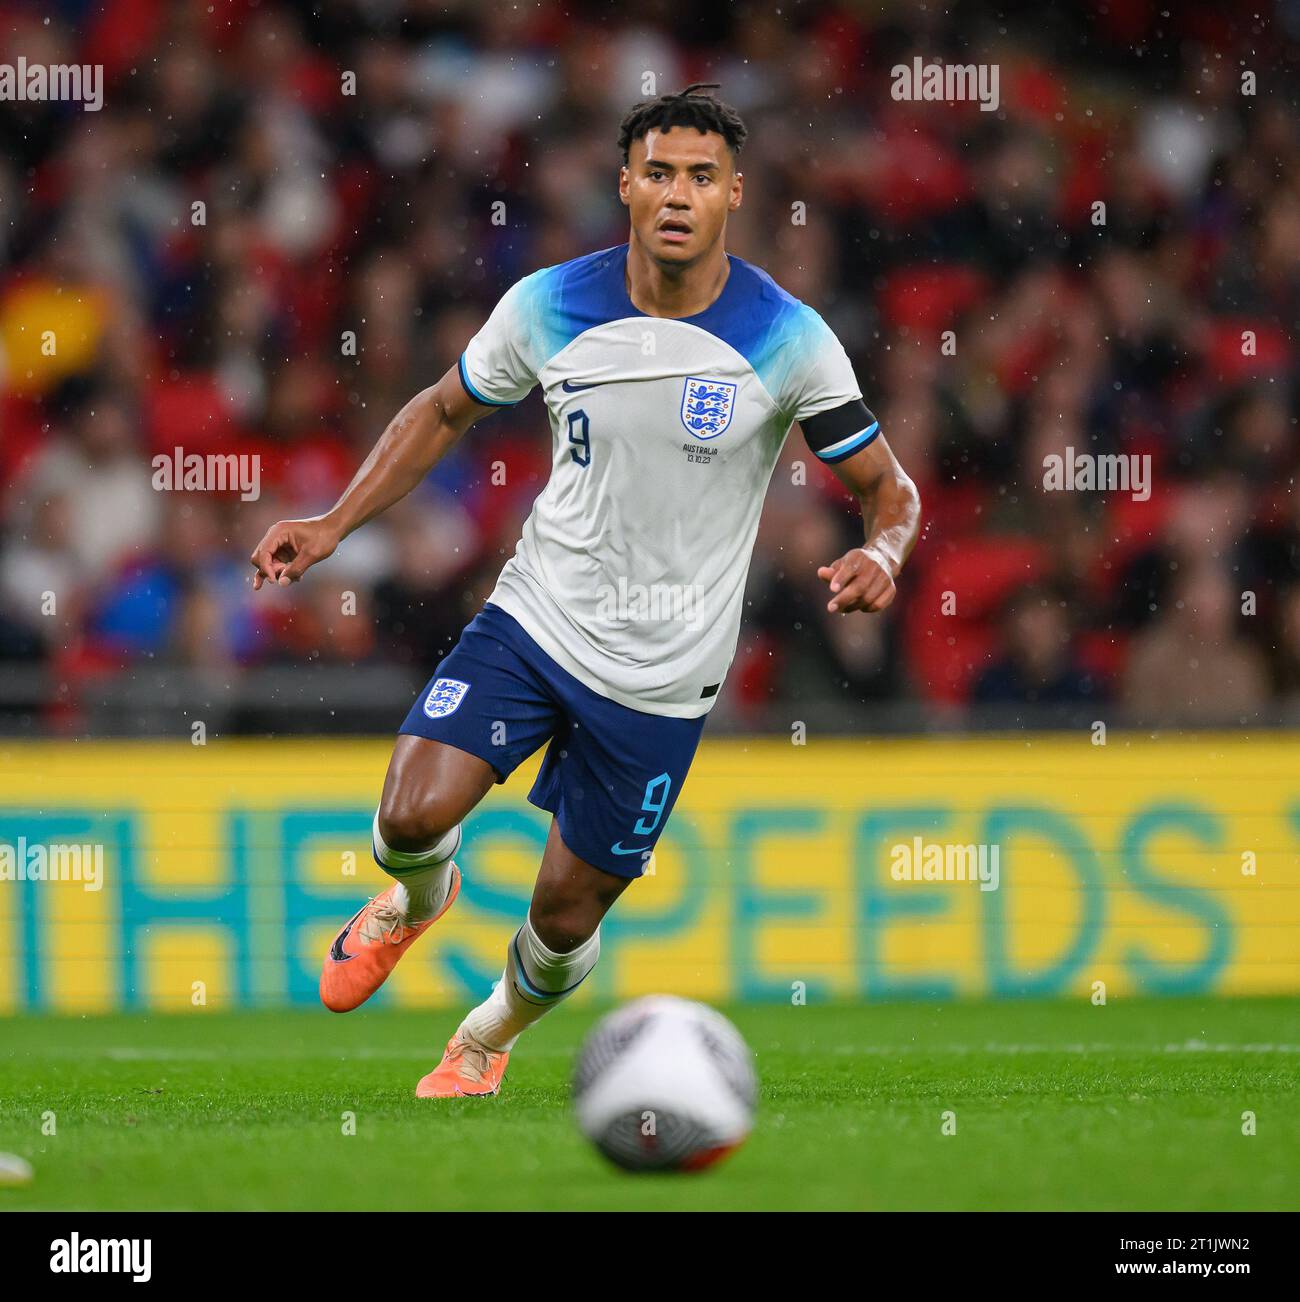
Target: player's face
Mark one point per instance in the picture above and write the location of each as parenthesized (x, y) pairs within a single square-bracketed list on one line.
[(679, 185)]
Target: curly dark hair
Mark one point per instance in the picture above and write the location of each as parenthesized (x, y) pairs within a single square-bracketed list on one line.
[(684, 109)]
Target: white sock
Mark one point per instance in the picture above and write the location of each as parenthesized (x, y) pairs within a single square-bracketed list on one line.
[(423, 876), (535, 980)]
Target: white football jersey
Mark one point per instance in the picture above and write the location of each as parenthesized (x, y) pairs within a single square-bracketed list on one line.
[(632, 565)]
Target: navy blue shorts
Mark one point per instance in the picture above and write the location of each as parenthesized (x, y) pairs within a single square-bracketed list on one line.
[(611, 774)]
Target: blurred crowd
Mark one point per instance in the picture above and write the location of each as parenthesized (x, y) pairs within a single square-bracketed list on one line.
[(1109, 264)]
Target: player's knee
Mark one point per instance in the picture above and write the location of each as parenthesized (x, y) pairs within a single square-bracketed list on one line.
[(409, 824), (563, 925)]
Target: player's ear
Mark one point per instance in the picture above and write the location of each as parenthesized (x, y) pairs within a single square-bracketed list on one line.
[(737, 191), (622, 185)]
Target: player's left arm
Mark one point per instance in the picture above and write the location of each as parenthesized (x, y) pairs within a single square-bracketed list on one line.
[(820, 391), (863, 579)]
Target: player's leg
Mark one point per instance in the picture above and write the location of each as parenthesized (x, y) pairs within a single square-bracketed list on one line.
[(479, 717), (547, 959), (570, 897), (611, 777), (429, 789)]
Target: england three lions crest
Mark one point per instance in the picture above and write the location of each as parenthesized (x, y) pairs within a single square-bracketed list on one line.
[(707, 406), (444, 696)]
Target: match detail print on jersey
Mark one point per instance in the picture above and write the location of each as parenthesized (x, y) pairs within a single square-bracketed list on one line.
[(631, 569)]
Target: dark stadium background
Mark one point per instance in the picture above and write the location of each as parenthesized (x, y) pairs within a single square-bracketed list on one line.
[(373, 213)]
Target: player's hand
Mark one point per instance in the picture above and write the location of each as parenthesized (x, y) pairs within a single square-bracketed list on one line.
[(859, 581), (289, 548)]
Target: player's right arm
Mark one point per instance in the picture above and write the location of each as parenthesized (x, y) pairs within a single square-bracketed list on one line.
[(416, 439)]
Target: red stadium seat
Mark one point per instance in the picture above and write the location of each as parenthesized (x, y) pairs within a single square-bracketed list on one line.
[(946, 652)]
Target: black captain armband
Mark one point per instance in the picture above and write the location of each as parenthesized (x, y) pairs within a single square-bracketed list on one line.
[(839, 433)]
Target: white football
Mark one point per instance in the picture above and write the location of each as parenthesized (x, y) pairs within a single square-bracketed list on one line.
[(14, 1170), (665, 1084)]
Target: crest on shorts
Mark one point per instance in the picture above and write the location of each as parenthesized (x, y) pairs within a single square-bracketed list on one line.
[(707, 406), (444, 696)]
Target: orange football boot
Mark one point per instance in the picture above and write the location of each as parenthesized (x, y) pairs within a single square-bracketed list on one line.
[(368, 947), (468, 1068)]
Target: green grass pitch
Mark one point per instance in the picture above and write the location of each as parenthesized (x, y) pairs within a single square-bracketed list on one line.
[(1137, 1105)]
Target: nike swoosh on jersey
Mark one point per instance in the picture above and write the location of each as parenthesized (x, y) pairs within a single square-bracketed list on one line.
[(570, 387), (617, 848)]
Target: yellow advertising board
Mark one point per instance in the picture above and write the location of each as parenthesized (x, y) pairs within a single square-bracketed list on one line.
[(149, 874)]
